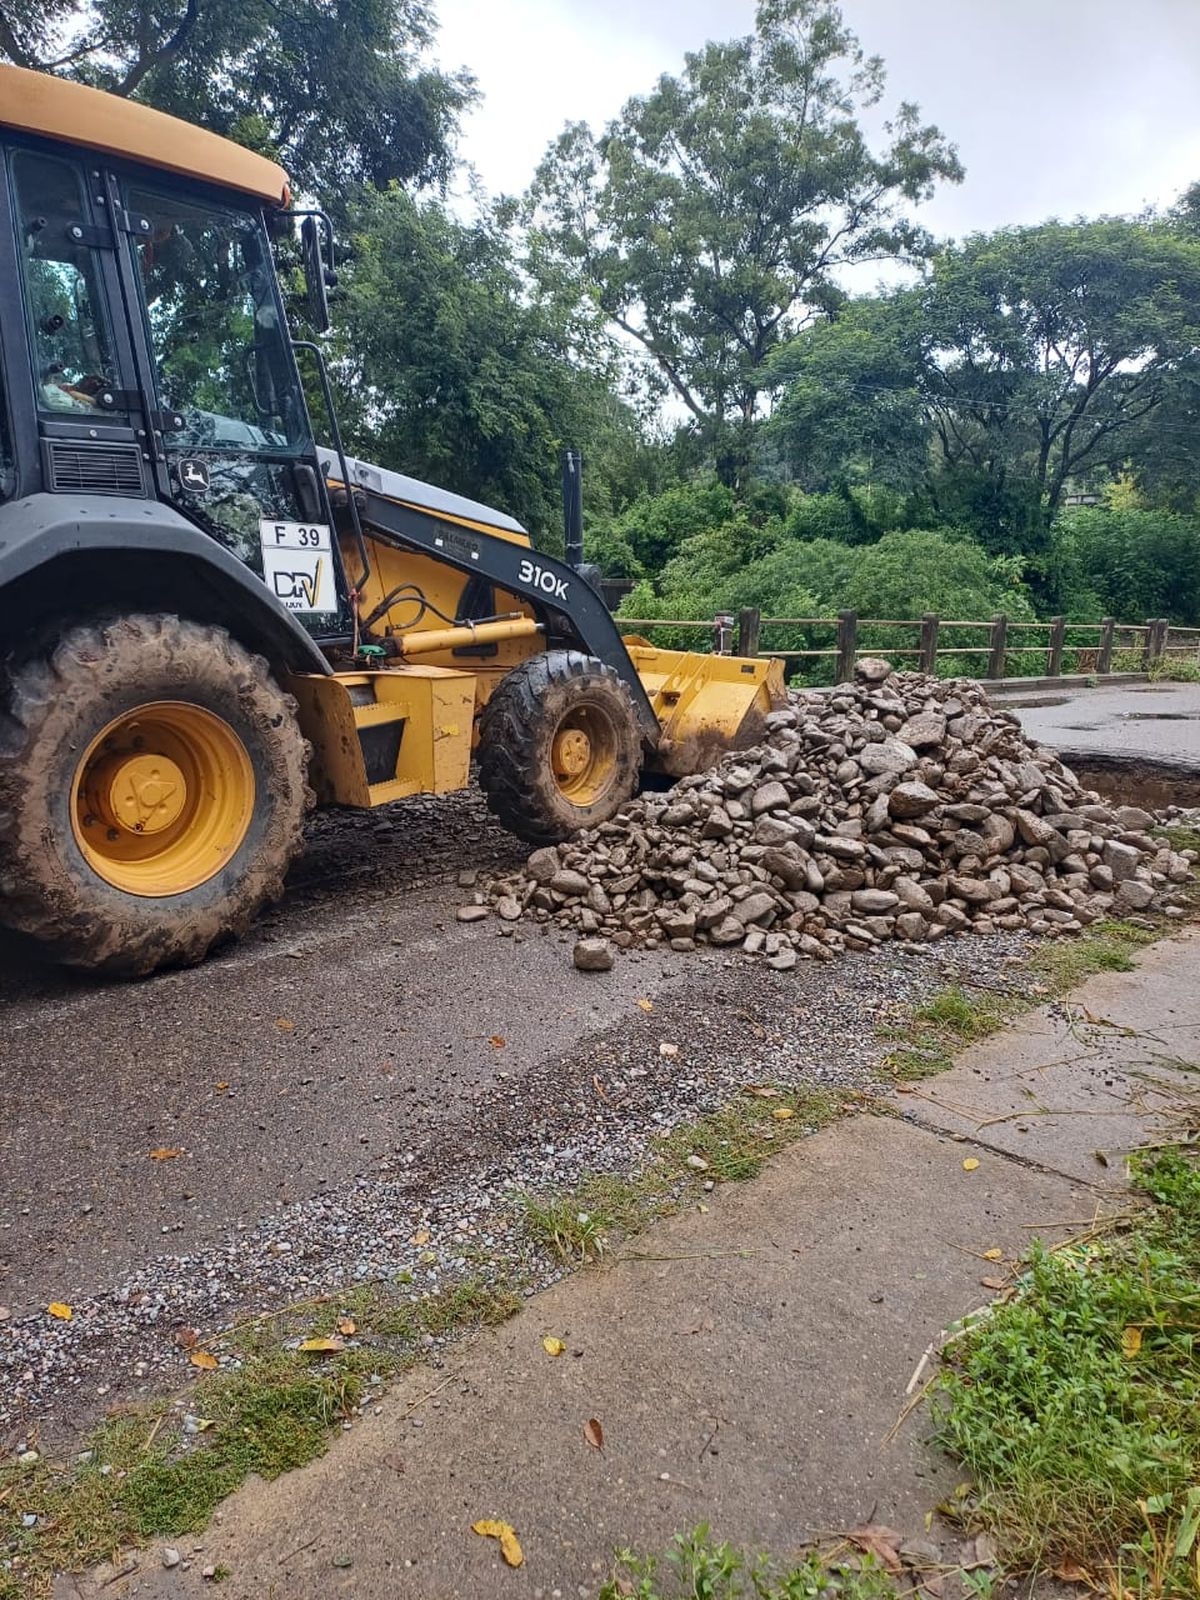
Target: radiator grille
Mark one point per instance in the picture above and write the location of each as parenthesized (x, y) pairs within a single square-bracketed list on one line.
[(94, 468)]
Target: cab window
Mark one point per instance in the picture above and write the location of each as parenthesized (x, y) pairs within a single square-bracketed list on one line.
[(72, 346)]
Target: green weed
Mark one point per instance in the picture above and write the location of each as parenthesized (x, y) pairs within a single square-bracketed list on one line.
[(1076, 1405), (696, 1568)]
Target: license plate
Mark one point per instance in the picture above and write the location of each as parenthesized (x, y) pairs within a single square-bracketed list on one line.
[(298, 564)]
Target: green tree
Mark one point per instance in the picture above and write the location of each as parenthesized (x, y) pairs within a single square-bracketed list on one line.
[(447, 370), (1129, 564), (711, 220), (338, 90)]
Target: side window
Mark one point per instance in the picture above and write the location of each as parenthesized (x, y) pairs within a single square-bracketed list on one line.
[(72, 347), (7, 462)]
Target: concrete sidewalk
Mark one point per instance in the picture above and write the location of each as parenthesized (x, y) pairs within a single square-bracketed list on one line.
[(748, 1364)]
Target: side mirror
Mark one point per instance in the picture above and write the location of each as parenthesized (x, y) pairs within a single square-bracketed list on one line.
[(315, 280)]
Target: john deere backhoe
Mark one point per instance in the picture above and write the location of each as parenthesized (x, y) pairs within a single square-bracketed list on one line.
[(207, 618)]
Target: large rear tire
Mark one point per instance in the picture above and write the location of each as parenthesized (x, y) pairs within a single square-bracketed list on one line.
[(559, 746), (152, 793)]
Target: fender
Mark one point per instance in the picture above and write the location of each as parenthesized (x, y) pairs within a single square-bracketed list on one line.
[(54, 548)]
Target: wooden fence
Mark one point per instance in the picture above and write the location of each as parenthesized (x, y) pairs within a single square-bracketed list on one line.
[(1054, 648)]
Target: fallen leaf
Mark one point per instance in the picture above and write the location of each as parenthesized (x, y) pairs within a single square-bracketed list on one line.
[(594, 1433), (187, 1338), (204, 1359), (62, 1312), (498, 1041), (347, 1325), (553, 1346), (510, 1549), (1071, 1572), (783, 1113), (761, 1091), (1131, 1342), (598, 1086), (646, 1005), (420, 1237), (285, 1024), (970, 1163), (883, 1543), (994, 1254), (321, 1347), (994, 1283), (165, 1152), (222, 1086)]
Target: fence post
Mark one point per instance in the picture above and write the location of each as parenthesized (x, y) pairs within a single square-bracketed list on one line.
[(1054, 655), (847, 645), (1162, 633), (929, 642), (999, 646), (723, 634), (748, 620), (1148, 645), (1104, 655)]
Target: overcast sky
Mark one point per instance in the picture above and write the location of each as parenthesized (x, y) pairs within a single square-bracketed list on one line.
[(1058, 107)]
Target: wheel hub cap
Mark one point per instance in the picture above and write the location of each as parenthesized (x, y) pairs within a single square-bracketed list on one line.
[(572, 752), (139, 793)]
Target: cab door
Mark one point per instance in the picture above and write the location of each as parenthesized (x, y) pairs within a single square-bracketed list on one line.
[(91, 423)]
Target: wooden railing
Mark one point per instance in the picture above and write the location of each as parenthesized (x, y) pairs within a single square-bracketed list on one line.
[(1053, 648)]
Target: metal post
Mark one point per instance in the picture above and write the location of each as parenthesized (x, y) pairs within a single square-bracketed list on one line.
[(723, 633), (929, 642), (1104, 655), (748, 621), (847, 645), (572, 499), (1054, 655), (999, 647)]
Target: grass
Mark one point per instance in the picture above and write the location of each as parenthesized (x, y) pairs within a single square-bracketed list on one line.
[(1076, 1404), (270, 1410), (726, 1146), (696, 1568)]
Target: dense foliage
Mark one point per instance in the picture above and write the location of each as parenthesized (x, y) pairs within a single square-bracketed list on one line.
[(1013, 425)]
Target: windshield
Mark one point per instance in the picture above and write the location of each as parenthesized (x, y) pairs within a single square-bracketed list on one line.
[(220, 351)]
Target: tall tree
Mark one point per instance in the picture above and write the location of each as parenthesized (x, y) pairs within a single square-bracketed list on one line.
[(1034, 355), (338, 90), (710, 221)]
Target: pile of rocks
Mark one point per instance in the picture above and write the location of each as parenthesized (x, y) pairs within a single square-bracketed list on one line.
[(902, 807)]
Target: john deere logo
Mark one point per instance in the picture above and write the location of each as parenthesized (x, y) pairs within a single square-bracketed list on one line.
[(193, 475)]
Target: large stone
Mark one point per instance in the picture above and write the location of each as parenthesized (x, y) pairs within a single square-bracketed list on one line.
[(472, 913), (911, 800), (925, 729), (873, 902), (773, 830), (755, 907), (1120, 859), (913, 896), (872, 669), (891, 756), (1132, 895), (1133, 818), (911, 925), (593, 955), (570, 883), (977, 891), (793, 869), (542, 864), (769, 797), (1034, 830)]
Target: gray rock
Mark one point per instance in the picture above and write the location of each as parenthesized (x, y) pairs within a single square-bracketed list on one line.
[(508, 908), (472, 913), (593, 955), (911, 800), (769, 797), (1120, 859), (542, 864), (873, 902), (890, 756), (872, 669), (925, 729), (570, 883), (1132, 895)]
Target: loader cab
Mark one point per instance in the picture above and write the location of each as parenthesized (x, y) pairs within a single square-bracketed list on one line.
[(145, 346)]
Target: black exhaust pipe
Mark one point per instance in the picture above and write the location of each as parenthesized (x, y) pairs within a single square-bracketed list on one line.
[(572, 497)]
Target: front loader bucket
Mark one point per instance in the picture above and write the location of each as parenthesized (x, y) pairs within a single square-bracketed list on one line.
[(705, 705)]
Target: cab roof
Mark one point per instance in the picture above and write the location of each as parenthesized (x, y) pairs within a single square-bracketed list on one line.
[(35, 102)]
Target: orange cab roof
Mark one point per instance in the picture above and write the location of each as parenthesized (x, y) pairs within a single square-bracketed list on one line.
[(35, 102)]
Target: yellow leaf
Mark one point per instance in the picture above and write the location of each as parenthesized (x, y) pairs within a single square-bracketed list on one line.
[(1131, 1342), (222, 1086), (420, 1237), (285, 1024), (553, 1346), (497, 1041), (347, 1325), (970, 1164), (510, 1549), (646, 1005), (594, 1433), (165, 1152), (783, 1113), (204, 1359), (994, 1254), (56, 1308), (321, 1347)]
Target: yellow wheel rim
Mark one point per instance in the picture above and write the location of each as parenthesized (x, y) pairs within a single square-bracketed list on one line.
[(162, 799), (583, 755)]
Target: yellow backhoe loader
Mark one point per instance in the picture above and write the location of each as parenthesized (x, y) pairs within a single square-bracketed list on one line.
[(207, 618)]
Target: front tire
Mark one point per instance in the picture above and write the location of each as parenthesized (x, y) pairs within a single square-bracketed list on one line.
[(152, 793), (559, 746)]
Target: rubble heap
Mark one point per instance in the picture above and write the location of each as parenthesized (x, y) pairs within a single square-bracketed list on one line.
[(902, 807)]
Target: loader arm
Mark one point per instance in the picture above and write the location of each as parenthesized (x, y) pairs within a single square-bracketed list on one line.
[(572, 609)]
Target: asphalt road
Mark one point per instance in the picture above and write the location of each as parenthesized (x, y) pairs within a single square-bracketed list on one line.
[(1150, 722)]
